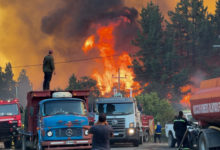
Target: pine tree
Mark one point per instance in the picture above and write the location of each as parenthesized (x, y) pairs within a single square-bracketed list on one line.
[(23, 87), (8, 87)]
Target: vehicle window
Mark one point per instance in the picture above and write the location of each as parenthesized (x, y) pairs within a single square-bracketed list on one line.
[(64, 107), (9, 110), (190, 118), (115, 109)]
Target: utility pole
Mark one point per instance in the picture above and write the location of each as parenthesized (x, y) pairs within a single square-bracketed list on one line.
[(119, 77)]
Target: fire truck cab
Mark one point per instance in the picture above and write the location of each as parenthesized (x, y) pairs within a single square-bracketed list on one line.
[(10, 122)]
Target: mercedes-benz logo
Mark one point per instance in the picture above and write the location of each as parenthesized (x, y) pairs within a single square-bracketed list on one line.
[(69, 132), (114, 122)]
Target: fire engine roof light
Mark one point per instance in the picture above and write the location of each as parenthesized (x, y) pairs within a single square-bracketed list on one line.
[(61, 94)]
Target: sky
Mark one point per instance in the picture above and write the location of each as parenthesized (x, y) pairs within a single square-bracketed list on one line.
[(28, 29)]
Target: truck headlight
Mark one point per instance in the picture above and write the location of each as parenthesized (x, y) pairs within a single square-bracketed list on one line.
[(49, 133), (131, 125), (86, 132), (130, 131)]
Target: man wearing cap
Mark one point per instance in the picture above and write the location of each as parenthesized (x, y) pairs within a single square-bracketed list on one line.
[(101, 134), (48, 69)]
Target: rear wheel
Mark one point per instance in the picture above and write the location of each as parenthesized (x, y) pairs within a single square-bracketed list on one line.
[(7, 144), (171, 140), (202, 143), (146, 137)]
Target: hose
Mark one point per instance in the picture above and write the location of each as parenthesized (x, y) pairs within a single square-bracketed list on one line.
[(214, 127)]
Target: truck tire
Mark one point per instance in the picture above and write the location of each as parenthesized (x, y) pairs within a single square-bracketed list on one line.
[(17, 143), (136, 143), (202, 143), (146, 137), (141, 140), (171, 140), (7, 144)]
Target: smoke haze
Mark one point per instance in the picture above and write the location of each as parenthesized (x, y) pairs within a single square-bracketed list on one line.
[(29, 28)]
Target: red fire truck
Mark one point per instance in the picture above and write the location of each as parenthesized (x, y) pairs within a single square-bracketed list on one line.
[(10, 122), (147, 126)]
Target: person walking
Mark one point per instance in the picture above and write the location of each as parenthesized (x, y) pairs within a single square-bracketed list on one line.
[(101, 134), (157, 134), (180, 127), (48, 69)]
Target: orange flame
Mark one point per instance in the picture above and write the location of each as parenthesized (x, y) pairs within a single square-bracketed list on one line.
[(89, 44), (185, 100), (106, 79)]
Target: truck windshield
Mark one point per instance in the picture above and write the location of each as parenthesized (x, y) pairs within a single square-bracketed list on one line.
[(115, 109), (64, 107), (8, 110)]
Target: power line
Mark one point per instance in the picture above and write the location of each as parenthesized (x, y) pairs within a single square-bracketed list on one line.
[(69, 61)]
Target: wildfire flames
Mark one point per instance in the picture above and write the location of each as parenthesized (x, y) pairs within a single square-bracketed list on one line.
[(185, 100), (104, 41)]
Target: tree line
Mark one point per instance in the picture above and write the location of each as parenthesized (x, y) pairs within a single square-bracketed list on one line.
[(172, 50)]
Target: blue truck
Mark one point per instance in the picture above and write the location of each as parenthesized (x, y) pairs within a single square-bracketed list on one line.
[(57, 120)]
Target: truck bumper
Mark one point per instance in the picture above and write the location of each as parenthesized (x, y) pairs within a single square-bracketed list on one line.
[(126, 137), (70, 144)]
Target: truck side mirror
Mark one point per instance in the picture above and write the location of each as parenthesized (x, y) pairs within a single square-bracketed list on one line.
[(21, 110)]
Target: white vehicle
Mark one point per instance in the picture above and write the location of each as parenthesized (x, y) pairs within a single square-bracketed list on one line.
[(124, 117), (170, 133)]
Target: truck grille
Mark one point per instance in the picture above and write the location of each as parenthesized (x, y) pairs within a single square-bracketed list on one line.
[(68, 132), (118, 125)]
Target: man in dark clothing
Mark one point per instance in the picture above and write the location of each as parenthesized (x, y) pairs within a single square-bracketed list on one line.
[(101, 134), (180, 127), (48, 69)]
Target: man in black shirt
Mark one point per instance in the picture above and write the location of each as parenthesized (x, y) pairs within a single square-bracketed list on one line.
[(101, 134), (180, 127), (48, 69)]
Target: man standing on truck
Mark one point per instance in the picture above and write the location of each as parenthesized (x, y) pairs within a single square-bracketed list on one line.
[(180, 127), (101, 134), (48, 69)]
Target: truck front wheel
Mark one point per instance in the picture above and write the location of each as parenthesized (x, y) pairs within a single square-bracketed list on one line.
[(7, 144), (171, 140), (136, 143)]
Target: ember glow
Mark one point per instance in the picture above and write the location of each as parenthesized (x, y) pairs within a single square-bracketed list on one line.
[(111, 61)]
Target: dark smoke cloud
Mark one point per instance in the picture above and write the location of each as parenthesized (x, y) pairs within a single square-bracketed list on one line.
[(75, 18)]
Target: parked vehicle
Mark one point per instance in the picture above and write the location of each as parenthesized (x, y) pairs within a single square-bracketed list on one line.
[(57, 120), (205, 107), (147, 126), (124, 117), (10, 122)]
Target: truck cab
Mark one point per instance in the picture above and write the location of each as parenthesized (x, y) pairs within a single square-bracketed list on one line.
[(61, 121), (10, 122), (124, 117)]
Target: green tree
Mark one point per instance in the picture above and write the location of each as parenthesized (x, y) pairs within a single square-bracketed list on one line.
[(7, 87), (23, 87), (193, 33), (215, 55), (161, 109), (85, 83), (157, 62)]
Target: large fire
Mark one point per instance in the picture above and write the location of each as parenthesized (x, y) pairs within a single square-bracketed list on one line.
[(115, 65), (185, 100)]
